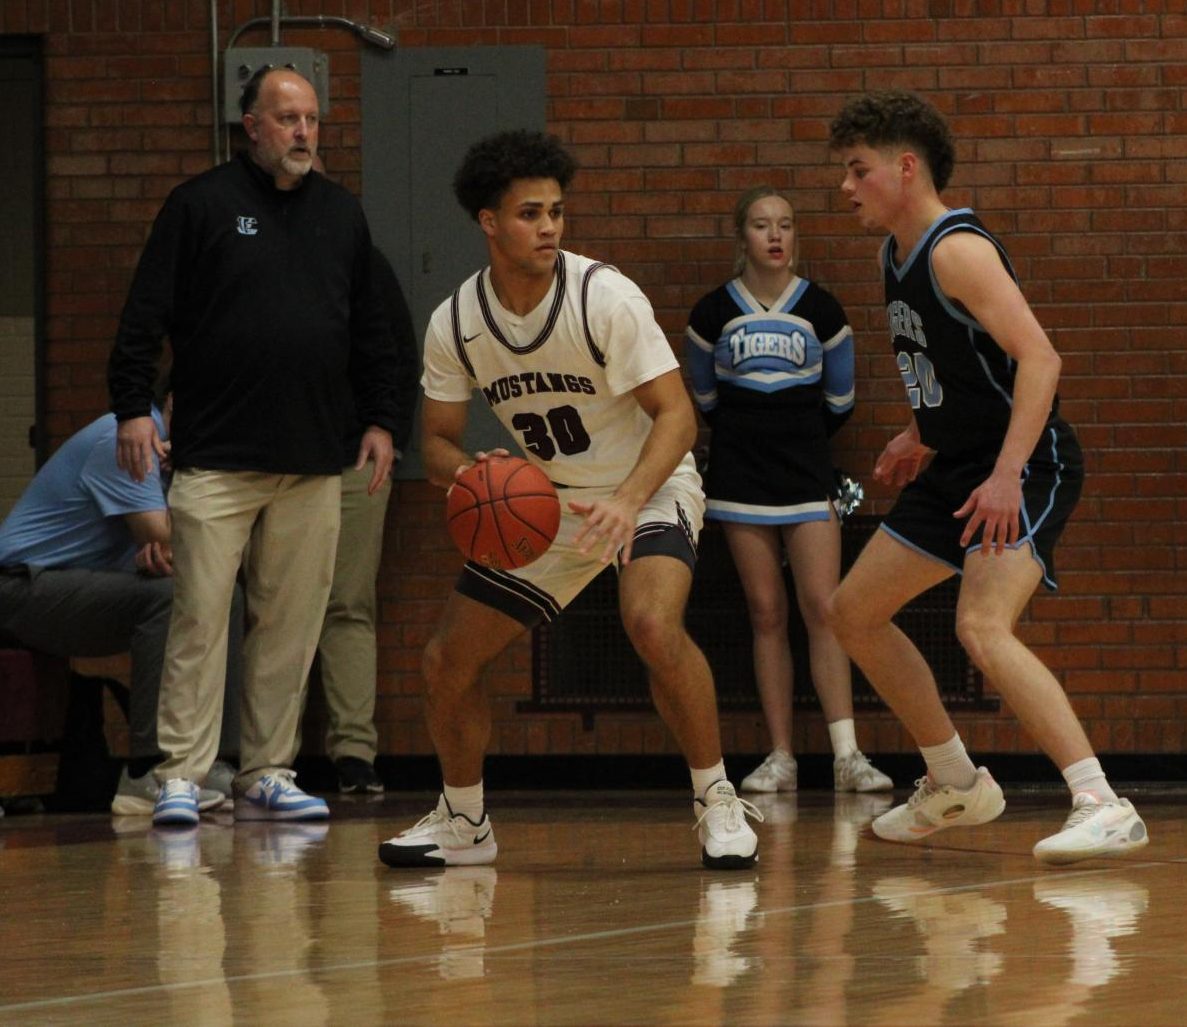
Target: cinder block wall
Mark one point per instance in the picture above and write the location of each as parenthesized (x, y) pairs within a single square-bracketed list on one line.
[(1073, 133)]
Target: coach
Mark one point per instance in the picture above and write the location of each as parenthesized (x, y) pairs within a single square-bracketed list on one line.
[(259, 271)]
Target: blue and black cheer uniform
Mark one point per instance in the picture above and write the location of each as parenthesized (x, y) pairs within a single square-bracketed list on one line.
[(775, 384)]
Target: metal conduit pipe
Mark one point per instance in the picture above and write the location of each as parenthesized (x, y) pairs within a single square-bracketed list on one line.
[(215, 145), (367, 33)]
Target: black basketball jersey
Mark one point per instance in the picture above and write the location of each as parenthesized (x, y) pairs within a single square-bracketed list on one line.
[(960, 382)]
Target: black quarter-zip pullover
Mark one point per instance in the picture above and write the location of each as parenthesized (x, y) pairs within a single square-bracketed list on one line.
[(280, 341)]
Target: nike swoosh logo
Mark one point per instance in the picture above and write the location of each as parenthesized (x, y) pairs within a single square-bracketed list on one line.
[(470, 338), (479, 841)]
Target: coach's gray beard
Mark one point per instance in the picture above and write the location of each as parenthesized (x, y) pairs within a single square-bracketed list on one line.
[(296, 167)]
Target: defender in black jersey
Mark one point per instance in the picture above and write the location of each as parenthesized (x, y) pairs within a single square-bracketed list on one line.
[(980, 376)]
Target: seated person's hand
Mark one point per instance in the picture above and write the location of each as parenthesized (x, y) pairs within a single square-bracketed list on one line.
[(155, 559)]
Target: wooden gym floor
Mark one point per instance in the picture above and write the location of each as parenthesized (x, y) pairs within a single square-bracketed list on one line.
[(597, 912)]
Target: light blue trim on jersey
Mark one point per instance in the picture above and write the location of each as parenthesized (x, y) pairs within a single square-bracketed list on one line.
[(961, 317), (900, 270), (1008, 397), (747, 513)]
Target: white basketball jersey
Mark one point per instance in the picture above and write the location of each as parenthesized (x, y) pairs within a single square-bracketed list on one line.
[(559, 377)]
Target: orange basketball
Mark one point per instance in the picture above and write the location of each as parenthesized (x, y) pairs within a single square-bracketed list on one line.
[(503, 512)]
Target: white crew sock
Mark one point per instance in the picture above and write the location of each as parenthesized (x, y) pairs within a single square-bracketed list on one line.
[(467, 801), (1087, 776), (703, 779), (843, 735), (949, 764)]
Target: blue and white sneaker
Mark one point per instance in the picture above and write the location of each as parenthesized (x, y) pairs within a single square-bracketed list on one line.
[(275, 797), (177, 803), (137, 796)]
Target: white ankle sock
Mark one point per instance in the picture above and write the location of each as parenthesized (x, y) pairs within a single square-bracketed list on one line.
[(1087, 776), (702, 779), (467, 801), (843, 735), (949, 764)]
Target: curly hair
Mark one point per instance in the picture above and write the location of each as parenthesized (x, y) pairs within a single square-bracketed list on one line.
[(493, 163), (879, 120)]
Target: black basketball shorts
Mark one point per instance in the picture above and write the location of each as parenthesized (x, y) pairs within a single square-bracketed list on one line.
[(1051, 483)]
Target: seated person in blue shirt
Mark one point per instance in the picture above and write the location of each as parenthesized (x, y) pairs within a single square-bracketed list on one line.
[(85, 570)]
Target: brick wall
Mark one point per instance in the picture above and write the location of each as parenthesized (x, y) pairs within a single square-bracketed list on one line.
[(1072, 131)]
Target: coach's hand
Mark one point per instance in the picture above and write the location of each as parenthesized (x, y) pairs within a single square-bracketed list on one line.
[(136, 440), (376, 447)]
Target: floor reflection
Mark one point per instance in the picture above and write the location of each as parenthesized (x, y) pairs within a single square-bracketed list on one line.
[(722, 916), (602, 915), (1099, 908), (953, 926), (191, 932), (459, 901)]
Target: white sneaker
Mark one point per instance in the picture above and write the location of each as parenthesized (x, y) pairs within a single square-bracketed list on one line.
[(727, 842), (777, 773), (177, 803), (855, 773), (276, 796), (933, 808), (442, 839), (1094, 829)]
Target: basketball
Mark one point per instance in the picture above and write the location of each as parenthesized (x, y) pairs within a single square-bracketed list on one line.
[(503, 512)]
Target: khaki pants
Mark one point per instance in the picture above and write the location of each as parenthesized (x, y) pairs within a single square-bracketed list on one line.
[(291, 522), (347, 650)]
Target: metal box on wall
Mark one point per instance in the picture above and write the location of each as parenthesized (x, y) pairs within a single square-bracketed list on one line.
[(241, 63)]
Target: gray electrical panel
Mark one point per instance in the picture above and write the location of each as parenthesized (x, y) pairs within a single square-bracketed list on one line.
[(241, 63), (422, 109)]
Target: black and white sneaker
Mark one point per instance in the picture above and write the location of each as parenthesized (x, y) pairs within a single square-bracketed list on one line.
[(357, 776), (727, 842), (442, 839)]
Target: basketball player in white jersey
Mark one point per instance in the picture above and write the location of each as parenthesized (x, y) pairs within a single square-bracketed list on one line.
[(567, 353)]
